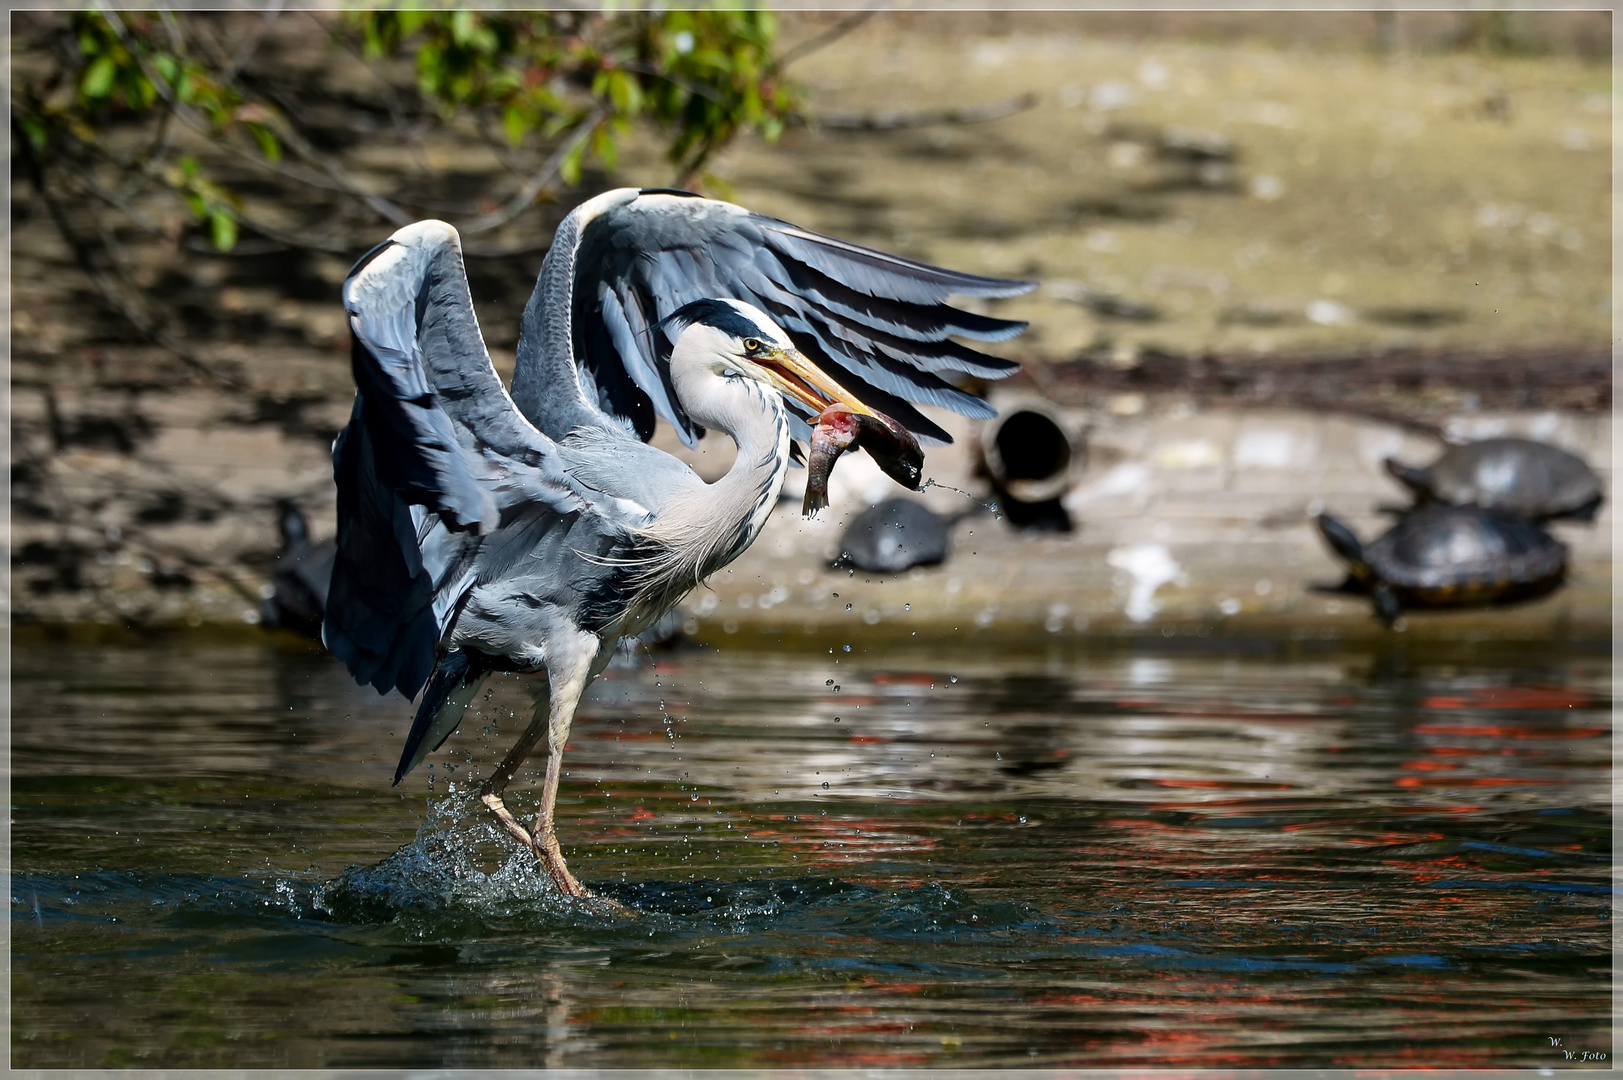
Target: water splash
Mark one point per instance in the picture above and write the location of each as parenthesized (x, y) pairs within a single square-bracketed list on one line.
[(996, 511), (444, 869)]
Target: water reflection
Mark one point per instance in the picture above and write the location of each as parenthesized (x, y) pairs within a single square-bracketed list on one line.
[(839, 859)]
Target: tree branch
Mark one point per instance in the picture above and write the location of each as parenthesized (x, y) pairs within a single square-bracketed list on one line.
[(108, 290), (819, 41), (525, 196), (379, 205)]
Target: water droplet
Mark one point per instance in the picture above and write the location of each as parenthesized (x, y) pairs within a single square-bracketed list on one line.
[(907, 607), (1022, 819), (830, 682), (825, 785), (848, 607), (954, 678), (848, 648)]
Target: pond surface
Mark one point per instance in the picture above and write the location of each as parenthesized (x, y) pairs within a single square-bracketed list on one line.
[(1085, 859)]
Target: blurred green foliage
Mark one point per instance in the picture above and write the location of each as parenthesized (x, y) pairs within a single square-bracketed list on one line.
[(700, 77)]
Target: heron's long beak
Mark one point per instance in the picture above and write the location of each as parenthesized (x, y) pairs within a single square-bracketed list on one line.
[(793, 373), (841, 421)]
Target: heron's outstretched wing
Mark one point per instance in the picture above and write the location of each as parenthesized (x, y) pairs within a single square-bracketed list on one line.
[(438, 473), (621, 262)]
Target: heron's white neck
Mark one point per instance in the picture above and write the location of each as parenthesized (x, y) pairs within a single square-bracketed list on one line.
[(702, 528), (732, 510)]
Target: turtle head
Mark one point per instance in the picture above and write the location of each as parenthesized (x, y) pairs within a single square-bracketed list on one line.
[(1345, 543), (1416, 480)]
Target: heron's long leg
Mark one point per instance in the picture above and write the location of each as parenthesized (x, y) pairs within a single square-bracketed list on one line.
[(490, 792), (568, 671)]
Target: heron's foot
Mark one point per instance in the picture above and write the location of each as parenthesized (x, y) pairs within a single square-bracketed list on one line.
[(552, 857), (494, 803)]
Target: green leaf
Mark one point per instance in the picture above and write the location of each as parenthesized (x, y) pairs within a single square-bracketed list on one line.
[(223, 226), (35, 130), (98, 80), (603, 146), (515, 123), (269, 145), (570, 167)]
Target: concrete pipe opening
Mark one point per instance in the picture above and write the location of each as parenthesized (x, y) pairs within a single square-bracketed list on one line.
[(1030, 451)]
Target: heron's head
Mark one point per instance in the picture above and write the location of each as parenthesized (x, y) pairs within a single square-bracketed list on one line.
[(730, 339)]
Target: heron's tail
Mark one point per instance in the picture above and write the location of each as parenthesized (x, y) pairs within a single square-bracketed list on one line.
[(450, 691)]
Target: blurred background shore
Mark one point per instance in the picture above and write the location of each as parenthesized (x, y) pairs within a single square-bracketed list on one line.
[(1273, 250)]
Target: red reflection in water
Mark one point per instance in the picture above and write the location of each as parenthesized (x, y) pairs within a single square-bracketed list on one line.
[(1501, 731), (1511, 697), (905, 678), (1237, 785), (1479, 781)]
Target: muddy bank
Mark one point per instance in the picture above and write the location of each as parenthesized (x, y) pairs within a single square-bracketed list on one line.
[(1223, 243)]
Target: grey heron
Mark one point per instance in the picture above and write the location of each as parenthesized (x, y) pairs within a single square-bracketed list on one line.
[(528, 529)]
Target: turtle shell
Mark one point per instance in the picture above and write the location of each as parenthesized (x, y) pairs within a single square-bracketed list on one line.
[(1519, 476), (1463, 554), (894, 536)]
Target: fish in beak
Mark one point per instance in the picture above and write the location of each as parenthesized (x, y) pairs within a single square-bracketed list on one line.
[(840, 423), (837, 429)]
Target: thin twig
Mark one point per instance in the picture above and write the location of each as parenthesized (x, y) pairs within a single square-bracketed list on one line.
[(818, 41), (409, 136), (251, 46), (109, 292), (525, 196), (335, 245), (383, 207)]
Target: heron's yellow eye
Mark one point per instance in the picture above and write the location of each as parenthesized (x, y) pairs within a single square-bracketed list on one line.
[(752, 344)]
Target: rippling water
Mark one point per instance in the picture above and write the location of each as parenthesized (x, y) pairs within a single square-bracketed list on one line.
[(1095, 859)]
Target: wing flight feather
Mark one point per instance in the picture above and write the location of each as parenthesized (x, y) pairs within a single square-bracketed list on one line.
[(879, 324)]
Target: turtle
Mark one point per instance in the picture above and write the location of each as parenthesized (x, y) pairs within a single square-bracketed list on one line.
[(1450, 556), (1532, 479), (298, 595), (896, 535)]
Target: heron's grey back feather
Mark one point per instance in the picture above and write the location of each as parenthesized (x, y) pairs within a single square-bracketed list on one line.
[(626, 259), (611, 461)]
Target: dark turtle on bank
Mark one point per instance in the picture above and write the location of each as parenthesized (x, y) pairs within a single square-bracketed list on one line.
[(298, 598), (1519, 476), (896, 535), (1450, 556)]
